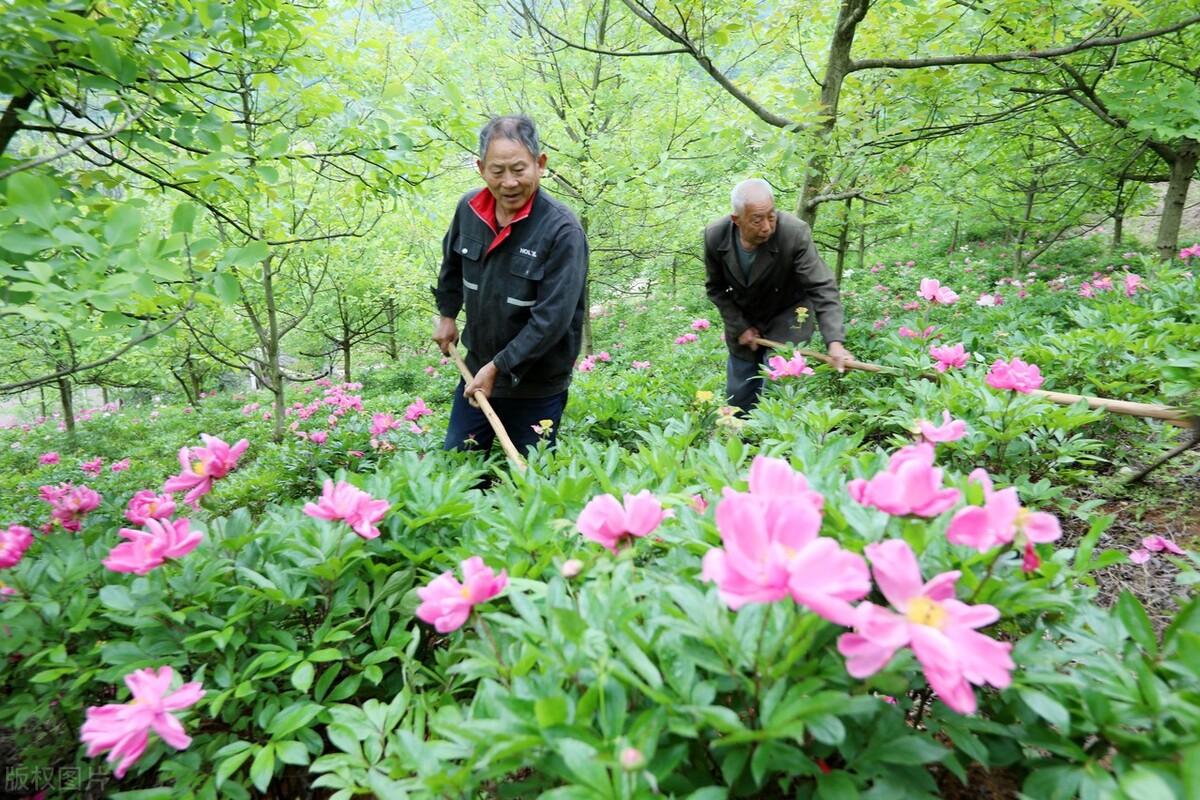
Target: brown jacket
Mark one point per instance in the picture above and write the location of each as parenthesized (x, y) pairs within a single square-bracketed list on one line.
[(786, 274)]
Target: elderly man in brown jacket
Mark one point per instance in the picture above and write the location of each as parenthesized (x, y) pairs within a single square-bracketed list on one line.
[(762, 269)]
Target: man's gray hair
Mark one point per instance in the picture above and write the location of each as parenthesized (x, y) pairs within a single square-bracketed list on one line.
[(514, 127), (747, 189)]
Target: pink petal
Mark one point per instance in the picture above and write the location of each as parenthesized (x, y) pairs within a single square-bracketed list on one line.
[(896, 571), (863, 656)]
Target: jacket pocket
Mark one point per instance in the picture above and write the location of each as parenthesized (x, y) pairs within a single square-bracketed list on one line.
[(523, 289), (469, 248), (528, 268)]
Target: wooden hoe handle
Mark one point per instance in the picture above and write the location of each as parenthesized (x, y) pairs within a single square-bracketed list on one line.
[(510, 449), (1174, 416)]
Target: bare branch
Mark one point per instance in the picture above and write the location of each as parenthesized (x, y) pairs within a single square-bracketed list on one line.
[(1000, 58), (42, 380)]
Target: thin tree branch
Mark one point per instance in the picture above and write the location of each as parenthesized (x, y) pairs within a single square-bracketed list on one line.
[(1000, 58)]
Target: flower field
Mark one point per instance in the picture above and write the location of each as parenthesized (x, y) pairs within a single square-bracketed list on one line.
[(877, 585)]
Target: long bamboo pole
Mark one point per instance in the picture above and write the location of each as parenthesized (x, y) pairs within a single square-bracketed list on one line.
[(506, 443), (1174, 416)]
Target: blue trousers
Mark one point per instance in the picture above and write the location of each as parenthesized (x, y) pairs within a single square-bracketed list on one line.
[(469, 429), (744, 380)]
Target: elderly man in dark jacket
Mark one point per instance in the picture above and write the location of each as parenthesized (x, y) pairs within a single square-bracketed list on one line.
[(516, 258), (765, 277)]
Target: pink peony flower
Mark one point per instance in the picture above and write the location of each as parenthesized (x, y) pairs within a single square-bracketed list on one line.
[(906, 332), (123, 728), (119, 466), (948, 356), (93, 467), (1157, 544), (203, 465), (14, 541), (146, 504), (773, 479), (604, 356), (1190, 252), (416, 410), (431, 371), (605, 520), (571, 567), (772, 550), (318, 437), (989, 300), (788, 368), (1140, 556), (149, 549), (1133, 282), (701, 324), (912, 306), (70, 504), (446, 604), (640, 365), (940, 629), (948, 431), (382, 423), (686, 338), (933, 291), (587, 364), (1000, 520), (909, 485), (48, 458), (1015, 375), (347, 503)]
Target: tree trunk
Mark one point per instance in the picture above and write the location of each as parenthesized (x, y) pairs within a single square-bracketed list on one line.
[(390, 341), (587, 298), (1118, 215), (587, 318), (862, 239), (954, 235), (849, 15), (68, 405), (10, 122), (274, 372), (346, 358), (42, 399), (1023, 230), (104, 395), (1182, 168), (187, 390), (843, 242)]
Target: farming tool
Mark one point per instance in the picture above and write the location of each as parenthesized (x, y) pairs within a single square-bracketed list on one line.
[(1173, 416), (506, 443)]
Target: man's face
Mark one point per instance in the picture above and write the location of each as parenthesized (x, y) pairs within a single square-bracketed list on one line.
[(757, 220), (511, 173)]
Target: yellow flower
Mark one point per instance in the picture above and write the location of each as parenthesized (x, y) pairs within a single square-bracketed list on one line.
[(801, 313), (703, 396)]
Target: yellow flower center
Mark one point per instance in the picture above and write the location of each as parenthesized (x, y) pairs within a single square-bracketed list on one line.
[(198, 468), (153, 506), (465, 593), (546, 424), (703, 396), (924, 611), (1022, 518)]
